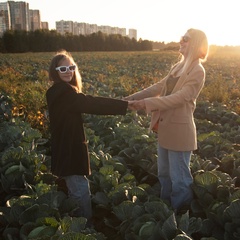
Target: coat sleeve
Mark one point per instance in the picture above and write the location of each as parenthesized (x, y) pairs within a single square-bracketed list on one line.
[(152, 91), (64, 95), (188, 92)]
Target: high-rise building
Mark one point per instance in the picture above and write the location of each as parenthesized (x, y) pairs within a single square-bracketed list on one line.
[(121, 31), (105, 29), (19, 14), (35, 20), (77, 28), (5, 22), (93, 28), (64, 27), (132, 33), (44, 25), (80, 28)]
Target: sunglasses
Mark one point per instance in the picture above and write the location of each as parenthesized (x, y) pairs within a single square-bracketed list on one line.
[(184, 39), (64, 69)]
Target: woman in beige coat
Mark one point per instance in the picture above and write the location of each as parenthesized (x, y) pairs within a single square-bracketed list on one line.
[(172, 102)]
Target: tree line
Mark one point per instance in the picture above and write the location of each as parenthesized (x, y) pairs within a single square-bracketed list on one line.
[(19, 41)]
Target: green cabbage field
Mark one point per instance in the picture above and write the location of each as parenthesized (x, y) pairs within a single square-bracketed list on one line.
[(124, 185)]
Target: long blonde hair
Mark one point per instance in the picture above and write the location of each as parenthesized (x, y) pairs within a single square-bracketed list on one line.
[(197, 50), (76, 81)]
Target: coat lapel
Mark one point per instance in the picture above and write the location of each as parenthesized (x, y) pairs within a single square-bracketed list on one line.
[(184, 77)]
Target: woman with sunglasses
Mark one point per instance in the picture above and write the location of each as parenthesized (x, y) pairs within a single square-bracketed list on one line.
[(172, 102), (66, 103)]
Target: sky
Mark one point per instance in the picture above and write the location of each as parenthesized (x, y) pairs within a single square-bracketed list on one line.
[(154, 20)]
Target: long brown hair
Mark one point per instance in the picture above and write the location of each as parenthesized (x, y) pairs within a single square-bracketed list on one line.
[(76, 81)]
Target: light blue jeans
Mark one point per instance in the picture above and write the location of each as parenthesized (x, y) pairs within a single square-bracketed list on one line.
[(175, 176), (78, 188)]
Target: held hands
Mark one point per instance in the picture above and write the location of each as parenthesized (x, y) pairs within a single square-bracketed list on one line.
[(137, 105)]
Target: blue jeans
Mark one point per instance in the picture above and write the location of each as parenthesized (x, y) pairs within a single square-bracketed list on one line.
[(175, 176), (78, 188)]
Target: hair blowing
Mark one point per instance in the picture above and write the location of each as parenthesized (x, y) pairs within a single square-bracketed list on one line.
[(197, 50), (76, 81)]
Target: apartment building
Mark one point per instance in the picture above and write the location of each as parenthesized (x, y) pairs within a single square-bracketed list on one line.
[(79, 28), (122, 31), (63, 27), (35, 20), (76, 28), (45, 25), (5, 22), (18, 16), (132, 33), (105, 29)]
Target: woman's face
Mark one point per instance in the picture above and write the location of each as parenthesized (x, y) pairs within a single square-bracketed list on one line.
[(66, 74), (184, 42)]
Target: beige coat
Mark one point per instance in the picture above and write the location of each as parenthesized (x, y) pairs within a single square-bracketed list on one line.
[(176, 128)]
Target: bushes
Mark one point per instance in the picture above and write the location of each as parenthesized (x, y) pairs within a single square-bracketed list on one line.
[(19, 41)]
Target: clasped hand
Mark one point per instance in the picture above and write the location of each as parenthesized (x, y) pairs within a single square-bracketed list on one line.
[(137, 105)]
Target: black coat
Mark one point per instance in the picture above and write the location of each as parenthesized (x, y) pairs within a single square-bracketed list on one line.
[(68, 142)]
